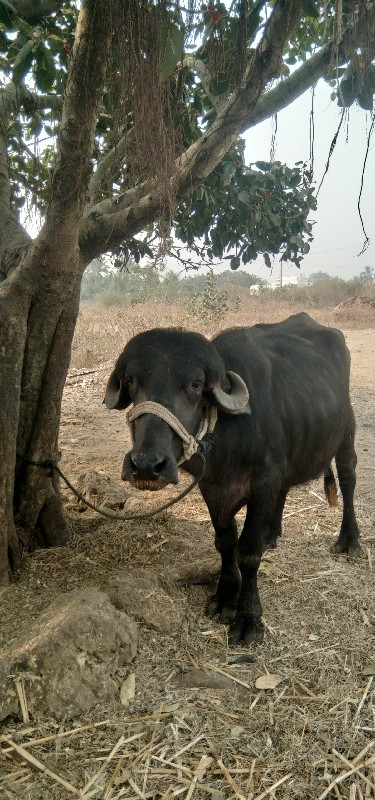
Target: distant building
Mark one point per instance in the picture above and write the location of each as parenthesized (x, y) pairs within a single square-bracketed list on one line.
[(291, 280)]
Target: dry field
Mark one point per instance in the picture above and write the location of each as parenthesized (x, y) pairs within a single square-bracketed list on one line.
[(309, 737)]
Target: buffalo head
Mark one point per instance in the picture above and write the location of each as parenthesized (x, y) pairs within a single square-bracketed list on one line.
[(182, 372)]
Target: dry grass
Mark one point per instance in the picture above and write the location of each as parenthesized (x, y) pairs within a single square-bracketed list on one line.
[(297, 738), (102, 332), (311, 737)]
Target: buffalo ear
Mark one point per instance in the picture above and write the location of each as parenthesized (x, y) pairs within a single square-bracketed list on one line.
[(116, 395)]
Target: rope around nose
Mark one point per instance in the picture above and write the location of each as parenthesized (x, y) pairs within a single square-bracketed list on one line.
[(190, 444)]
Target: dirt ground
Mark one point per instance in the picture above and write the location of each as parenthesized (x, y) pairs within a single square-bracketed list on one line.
[(310, 737)]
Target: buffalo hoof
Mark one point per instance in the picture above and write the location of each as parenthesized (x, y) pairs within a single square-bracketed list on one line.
[(217, 606), (353, 550), (249, 630), (270, 544)]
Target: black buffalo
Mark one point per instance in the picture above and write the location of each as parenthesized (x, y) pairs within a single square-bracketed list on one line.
[(283, 430)]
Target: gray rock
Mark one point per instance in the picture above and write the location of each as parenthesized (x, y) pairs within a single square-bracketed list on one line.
[(69, 657), (202, 679), (141, 595)]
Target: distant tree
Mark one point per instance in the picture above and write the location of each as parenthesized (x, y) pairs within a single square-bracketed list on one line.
[(240, 278), (316, 277), (94, 280), (211, 304), (171, 287), (367, 276)]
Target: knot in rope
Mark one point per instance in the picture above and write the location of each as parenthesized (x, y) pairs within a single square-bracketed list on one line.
[(190, 444)]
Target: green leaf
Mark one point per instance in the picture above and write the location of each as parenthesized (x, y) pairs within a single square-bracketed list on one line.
[(44, 80), (23, 62), (295, 180), (56, 43), (310, 8), (262, 165), (235, 262), (244, 197), (48, 65), (171, 48), (267, 260), (365, 99), (346, 94), (369, 670), (6, 11)]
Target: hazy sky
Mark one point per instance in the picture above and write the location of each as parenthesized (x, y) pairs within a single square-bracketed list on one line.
[(338, 235)]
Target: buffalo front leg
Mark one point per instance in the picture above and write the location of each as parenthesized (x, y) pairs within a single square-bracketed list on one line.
[(248, 625), (276, 522), (225, 600)]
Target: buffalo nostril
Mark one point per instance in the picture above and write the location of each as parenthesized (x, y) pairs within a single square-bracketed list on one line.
[(159, 465), (133, 461), (146, 466)]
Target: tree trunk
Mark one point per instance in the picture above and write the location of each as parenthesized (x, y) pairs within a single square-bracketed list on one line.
[(35, 342), (40, 297), (13, 327)]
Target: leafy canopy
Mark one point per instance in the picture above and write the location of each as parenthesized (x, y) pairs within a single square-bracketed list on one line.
[(186, 60)]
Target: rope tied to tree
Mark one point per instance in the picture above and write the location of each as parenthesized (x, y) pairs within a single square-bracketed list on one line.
[(199, 445)]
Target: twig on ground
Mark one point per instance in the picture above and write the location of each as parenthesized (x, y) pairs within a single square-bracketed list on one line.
[(42, 768), (274, 786), (232, 783), (363, 698)]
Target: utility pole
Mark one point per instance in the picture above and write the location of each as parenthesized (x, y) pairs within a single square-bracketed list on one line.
[(281, 274)]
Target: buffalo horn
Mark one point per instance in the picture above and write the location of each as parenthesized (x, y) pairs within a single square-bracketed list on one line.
[(237, 399)]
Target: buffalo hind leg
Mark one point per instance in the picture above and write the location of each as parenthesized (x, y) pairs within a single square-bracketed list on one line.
[(346, 461), (225, 600), (276, 522)]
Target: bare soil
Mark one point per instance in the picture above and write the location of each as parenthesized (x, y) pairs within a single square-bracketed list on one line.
[(316, 728)]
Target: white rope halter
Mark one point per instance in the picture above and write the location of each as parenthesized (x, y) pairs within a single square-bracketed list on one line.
[(190, 443)]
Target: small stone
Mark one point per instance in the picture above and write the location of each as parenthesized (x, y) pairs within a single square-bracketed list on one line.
[(202, 679), (127, 691)]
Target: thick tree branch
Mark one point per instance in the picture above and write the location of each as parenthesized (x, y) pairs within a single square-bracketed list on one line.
[(76, 136), (12, 234), (288, 90), (32, 102), (8, 106)]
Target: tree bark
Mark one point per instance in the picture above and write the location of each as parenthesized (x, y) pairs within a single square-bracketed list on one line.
[(13, 329), (35, 343), (37, 501)]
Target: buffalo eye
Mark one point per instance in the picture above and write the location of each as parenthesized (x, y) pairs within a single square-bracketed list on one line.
[(129, 380), (197, 384)]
